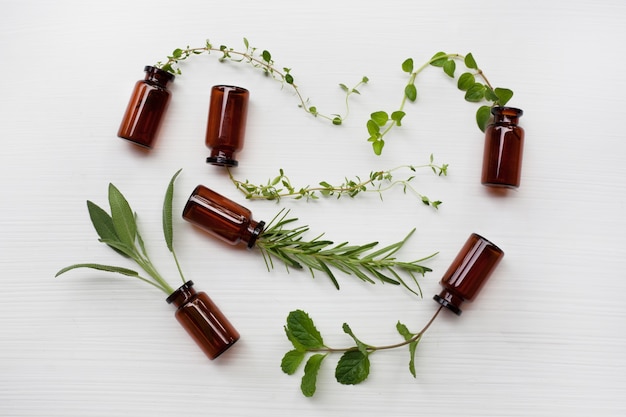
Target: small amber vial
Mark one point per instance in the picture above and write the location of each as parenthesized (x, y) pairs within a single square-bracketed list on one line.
[(202, 320), (146, 107), (468, 272), (221, 217), (226, 126), (504, 145)]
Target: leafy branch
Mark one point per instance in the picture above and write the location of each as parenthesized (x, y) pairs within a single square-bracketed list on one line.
[(382, 122), (353, 366), (263, 61), (378, 182), (286, 244), (120, 232)]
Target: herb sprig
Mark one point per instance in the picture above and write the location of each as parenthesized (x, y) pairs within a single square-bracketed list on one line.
[(287, 245), (382, 122), (377, 182), (262, 60), (353, 366), (120, 232)]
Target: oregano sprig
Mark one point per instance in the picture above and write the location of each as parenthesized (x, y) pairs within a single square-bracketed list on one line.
[(378, 182), (353, 366), (473, 82), (119, 231), (262, 60), (282, 242)]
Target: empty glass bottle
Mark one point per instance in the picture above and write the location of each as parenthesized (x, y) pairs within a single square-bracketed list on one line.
[(221, 217), (226, 126), (468, 272), (504, 144), (146, 107), (204, 322)]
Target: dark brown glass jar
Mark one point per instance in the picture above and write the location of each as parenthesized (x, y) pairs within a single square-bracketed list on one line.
[(226, 126), (146, 107), (204, 322), (504, 145), (221, 217), (468, 272)]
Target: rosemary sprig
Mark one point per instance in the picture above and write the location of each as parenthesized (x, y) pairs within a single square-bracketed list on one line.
[(377, 182), (287, 245)]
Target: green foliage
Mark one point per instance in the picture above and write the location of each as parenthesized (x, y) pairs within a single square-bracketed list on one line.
[(286, 244), (120, 232), (353, 366), (262, 61), (281, 186)]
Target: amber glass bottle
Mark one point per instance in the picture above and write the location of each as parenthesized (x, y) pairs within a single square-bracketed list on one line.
[(204, 322), (221, 217), (146, 107), (226, 126), (504, 145), (468, 272)]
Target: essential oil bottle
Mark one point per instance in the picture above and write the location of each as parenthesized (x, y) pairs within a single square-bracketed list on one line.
[(226, 126), (468, 272), (504, 145), (221, 217), (146, 107)]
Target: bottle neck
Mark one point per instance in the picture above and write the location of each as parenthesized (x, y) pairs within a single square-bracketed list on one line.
[(158, 76), (450, 301), (182, 295), (506, 115), (252, 232)]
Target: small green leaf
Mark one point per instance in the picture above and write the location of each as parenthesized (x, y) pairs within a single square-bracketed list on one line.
[(246, 43), (168, 229), (123, 217), (360, 345), (291, 361), (311, 370), (337, 120), (353, 368), (504, 95), (267, 57), (100, 267), (397, 117), (407, 65), (490, 95), (378, 146), (288, 78), (344, 87), (439, 59), (404, 332), (475, 93), (103, 223), (483, 114), (410, 91), (302, 328), (177, 53), (470, 62), (466, 80), (380, 118), (449, 67)]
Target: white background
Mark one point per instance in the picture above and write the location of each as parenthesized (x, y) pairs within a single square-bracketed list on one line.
[(545, 337)]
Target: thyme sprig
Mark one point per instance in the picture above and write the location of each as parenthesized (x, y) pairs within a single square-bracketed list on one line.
[(119, 231), (377, 182), (281, 242), (382, 122), (353, 366), (262, 60)]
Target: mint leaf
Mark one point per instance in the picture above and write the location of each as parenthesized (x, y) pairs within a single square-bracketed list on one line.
[(311, 370), (404, 332), (353, 368), (360, 345), (291, 361), (303, 330)]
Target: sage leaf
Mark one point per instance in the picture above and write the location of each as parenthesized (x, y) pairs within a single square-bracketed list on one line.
[(123, 217), (291, 361), (100, 267), (302, 328), (311, 370), (483, 115), (353, 368), (168, 229), (504, 95), (103, 223)]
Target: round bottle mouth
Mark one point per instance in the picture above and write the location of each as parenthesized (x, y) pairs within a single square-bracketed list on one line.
[(151, 69), (255, 234), (222, 161), (186, 286), (447, 305)]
